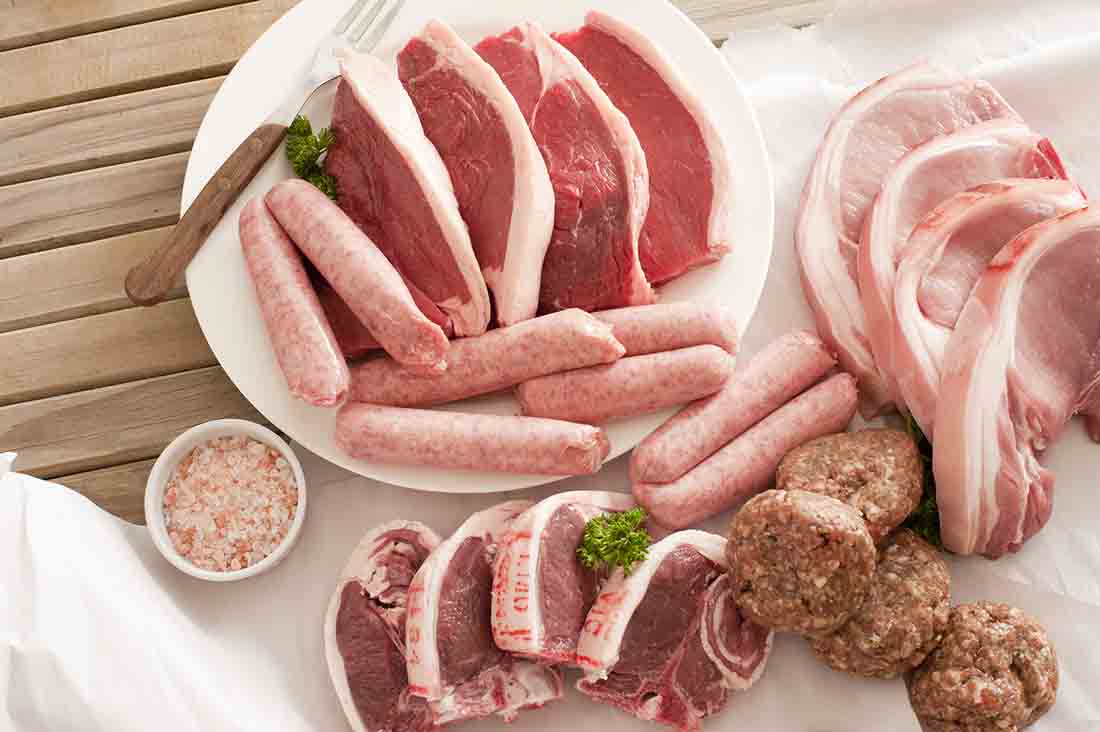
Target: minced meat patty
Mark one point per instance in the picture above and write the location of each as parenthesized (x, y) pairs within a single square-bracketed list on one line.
[(877, 472), (800, 562), (994, 671), (904, 615)]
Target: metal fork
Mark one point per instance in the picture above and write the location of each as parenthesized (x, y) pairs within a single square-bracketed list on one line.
[(361, 28)]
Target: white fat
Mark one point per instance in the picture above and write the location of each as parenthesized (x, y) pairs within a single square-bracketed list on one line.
[(517, 602), (731, 680), (421, 631), (364, 562), (524, 685), (602, 636), (379, 91), (515, 286)]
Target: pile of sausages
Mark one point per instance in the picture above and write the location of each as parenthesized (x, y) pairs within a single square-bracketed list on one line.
[(572, 371), (718, 452)]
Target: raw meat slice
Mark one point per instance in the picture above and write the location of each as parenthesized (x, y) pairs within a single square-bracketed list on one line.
[(866, 137), (364, 630), (597, 170), (667, 643), (394, 185), (452, 661), (690, 213), (923, 178), (541, 592), (499, 176), (944, 257), (1024, 357)]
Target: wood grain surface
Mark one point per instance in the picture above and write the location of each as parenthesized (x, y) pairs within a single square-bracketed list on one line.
[(100, 101)]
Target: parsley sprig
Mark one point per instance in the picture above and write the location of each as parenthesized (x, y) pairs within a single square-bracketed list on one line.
[(304, 150), (615, 540), (925, 520)]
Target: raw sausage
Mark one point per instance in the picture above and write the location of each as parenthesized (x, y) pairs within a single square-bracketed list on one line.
[(628, 387), (304, 344), (667, 327), (504, 444), (784, 369), (747, 465), (492, 361), (360, 274)]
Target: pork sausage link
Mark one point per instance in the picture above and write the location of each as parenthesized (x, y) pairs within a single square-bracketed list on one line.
[(667, 327), (360, 274), (503, 444), (784, 369), (747, 465), (304, 344), (492, 361), (628, 387)]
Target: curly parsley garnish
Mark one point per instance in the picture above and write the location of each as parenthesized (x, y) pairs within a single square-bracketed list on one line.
[(925, 520), (615, 540), (304, 151)]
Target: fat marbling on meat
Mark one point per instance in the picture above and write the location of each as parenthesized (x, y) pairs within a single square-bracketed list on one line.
[(865, 139), (364, 630), (452, 660), (933, 172), (499, 176), (945, 256), (393, 184), (597, 169), (1024, 357), (667, 643), (541, 591), (690, 220)]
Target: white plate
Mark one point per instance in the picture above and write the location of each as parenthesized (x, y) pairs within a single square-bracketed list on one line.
[(222, 293)]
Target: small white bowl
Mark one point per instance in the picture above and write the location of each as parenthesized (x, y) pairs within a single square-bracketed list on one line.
[(162, 471)]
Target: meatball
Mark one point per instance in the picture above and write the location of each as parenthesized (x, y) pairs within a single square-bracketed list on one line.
[(904, 615), (800, 561), (994, 670), (877, 472)]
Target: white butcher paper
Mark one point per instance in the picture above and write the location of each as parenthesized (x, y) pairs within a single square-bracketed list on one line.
[(99, 632)]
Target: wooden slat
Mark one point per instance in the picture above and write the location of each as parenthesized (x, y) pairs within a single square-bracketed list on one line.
[(718, 18), (103, 132), (93, 204), (100, 428), (128, 59), (48, 20), (73, 282), (101, 350), (119, 489)]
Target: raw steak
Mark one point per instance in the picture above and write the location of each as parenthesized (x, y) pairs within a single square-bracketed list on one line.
[(689, 221), (866, 137), (1024, 357), (597, 170), (923, 178), (541, 592), (667, 643), (945, 256), (364, 630), (394, 185), (452, 662), (499, 176)]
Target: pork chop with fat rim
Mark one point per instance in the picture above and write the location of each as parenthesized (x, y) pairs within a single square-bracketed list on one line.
[(541, 591), (667, 643), (452, 660), (943, 259), (364, 630), (393, 184), (499, 176), (1024, 358), (597, 170), (863, 142), (689, 223)]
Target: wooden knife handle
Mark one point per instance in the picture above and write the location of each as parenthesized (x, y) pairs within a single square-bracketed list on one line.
[(149, 282)]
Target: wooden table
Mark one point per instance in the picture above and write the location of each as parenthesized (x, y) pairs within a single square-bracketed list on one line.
[(99, 104)]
